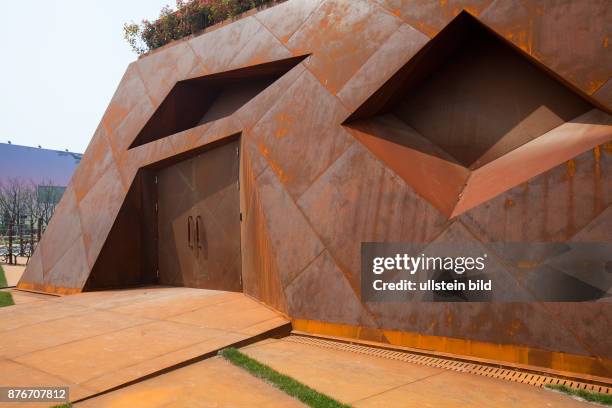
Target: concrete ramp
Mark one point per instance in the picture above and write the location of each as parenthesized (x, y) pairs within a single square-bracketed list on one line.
[(98, 341)]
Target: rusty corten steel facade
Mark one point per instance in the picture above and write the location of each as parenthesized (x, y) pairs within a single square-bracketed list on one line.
[(333, 153)]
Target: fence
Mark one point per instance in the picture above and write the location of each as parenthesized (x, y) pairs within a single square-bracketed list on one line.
[(19, 240)]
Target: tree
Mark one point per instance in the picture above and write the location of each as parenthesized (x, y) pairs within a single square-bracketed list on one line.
[(47, 198), (33, 212), (26, 209), (12, 192)]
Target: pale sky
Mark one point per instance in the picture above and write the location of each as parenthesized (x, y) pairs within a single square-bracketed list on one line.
[(61, 62)]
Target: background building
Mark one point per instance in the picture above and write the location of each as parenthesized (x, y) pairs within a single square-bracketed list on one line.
[(37, 165), (32, 182)]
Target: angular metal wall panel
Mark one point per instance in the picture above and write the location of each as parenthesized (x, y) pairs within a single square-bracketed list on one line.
[(569, 37), (432, 16), (260, 274)]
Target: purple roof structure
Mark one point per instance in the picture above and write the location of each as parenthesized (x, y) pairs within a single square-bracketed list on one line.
[(37, 165)]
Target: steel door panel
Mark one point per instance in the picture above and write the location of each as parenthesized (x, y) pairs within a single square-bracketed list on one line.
[(218, 208), (199, 198), (175, 204)]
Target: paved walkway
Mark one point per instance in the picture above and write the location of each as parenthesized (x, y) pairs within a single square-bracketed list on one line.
[(369, 381), (13, 273), (210, 383), (357, 379), (98, 340), (20, 297)]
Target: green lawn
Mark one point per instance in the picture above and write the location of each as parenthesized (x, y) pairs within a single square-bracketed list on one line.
[(3, 283), (605, 399), (287, 384), (6, 299)]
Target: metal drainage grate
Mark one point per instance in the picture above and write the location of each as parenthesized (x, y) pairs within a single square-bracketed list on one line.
[(523, 377)]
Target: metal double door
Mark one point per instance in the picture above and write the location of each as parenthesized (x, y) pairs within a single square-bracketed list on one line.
[(199, 221)]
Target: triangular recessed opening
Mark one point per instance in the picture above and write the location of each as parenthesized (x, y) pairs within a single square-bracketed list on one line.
[(468, 97), (196, 101)]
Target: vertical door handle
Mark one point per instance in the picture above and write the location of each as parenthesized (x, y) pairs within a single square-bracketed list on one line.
[(198, 219), (189, 222)]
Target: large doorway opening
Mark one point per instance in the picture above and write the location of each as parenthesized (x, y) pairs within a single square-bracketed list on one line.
[(198, 220)]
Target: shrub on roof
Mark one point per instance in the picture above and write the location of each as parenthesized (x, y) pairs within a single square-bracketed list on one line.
[(189, 17)]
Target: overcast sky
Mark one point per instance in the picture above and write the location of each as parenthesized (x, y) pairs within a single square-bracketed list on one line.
[(61, 62)]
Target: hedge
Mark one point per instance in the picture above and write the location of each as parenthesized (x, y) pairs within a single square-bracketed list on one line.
[(189, 17)]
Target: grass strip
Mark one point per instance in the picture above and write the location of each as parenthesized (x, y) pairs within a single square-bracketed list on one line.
[(68, 405), (3, 283), (6, 299), (285, 383), (605, 399)]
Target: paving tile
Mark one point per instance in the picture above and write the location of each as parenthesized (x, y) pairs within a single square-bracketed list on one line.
[(213, 382), (116, 298), (343, 375), (37, 312), (21, 297), (264, 326), (230, 316), (168, 306), (51, 333), (452, 389), (83, 360), (104, 339), (24, 376), (153, 365), (12, 273)]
